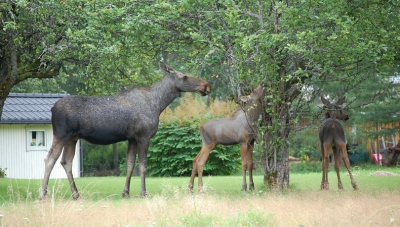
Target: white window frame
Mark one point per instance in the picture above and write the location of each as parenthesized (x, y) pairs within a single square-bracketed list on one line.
[(32, 145)]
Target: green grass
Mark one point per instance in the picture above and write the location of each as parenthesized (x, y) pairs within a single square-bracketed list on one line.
[(97, 188), (223, 204)]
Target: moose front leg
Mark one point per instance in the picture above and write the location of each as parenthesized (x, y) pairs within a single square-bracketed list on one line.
[(243, 150), (250, 165), (130, 163), (336, 156)]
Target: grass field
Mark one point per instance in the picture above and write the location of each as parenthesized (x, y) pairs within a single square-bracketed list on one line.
[(377, 203)]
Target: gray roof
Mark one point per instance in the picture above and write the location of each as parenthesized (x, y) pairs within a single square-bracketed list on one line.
[(29, 108)]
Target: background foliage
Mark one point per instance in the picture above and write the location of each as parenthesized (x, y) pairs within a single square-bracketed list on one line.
[(302, 48)]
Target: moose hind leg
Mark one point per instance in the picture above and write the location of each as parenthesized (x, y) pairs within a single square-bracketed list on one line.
[(193, 175), (130, 163), (66, 162), (198, 163), (347, 164), (52, 156), (325, 164), (336, 156)]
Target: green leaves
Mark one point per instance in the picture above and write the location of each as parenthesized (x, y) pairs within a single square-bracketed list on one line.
[(173, 148)]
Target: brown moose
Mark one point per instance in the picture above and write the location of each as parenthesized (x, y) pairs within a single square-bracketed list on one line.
[(237, 129), (331, 135)]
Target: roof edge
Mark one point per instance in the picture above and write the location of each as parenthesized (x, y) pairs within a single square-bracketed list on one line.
[(37, 95), (5, 122)]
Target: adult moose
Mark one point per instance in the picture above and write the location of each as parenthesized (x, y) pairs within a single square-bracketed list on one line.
[(236, 129), (131, 115), (331, 134)]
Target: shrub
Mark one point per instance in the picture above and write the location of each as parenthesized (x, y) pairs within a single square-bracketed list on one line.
[(3, 172), (173, 148), (98, 159)]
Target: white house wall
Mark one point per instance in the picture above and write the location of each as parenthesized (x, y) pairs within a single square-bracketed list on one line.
[(23, 164)]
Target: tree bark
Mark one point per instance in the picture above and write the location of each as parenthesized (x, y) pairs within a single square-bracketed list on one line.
[(9, 74), (275, 161), (276, 157)]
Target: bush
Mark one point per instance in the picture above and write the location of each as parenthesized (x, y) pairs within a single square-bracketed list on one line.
[(98, 159), (173, 148), (358, 156), (3, 172)]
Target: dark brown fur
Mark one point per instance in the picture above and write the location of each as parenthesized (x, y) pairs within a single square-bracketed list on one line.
[(331, 135), (131, 115), (237, 129)]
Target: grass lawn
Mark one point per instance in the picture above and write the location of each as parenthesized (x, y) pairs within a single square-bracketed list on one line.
[(101, 187), (223, 204)]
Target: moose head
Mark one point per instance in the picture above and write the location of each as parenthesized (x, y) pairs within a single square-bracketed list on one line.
[(335, 110)]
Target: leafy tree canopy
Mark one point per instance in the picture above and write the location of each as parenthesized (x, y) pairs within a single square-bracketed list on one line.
[(301, 48)]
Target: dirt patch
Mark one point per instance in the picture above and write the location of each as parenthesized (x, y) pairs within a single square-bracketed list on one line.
[(384, 173)]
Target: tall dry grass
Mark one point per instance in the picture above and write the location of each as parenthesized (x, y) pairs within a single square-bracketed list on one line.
[(191, 107), (175, 207)]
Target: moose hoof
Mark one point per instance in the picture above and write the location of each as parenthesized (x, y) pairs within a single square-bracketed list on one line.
[(125, 195), (201, 190), (354, 186), (340, 186), (244, 188), (190, 188), (143, 194), (75, 195), (251, 187), (324, 186)]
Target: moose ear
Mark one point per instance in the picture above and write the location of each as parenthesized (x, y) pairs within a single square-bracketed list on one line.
[(165, 67), (324, 101), (245, 98), (341, 100)]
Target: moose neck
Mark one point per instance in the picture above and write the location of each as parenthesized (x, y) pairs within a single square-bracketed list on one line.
[(164, 92), (251, 111), (326, 116), (331, 115)]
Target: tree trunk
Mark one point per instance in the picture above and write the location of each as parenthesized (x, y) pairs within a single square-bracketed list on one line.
[(275, 161), (9, 73), (276, 156)]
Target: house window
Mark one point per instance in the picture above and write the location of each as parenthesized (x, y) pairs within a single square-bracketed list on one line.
[(36, 140)]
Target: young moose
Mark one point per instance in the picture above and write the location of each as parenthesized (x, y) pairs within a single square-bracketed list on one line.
[(331, 134), (131, 115), (237, 129)]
